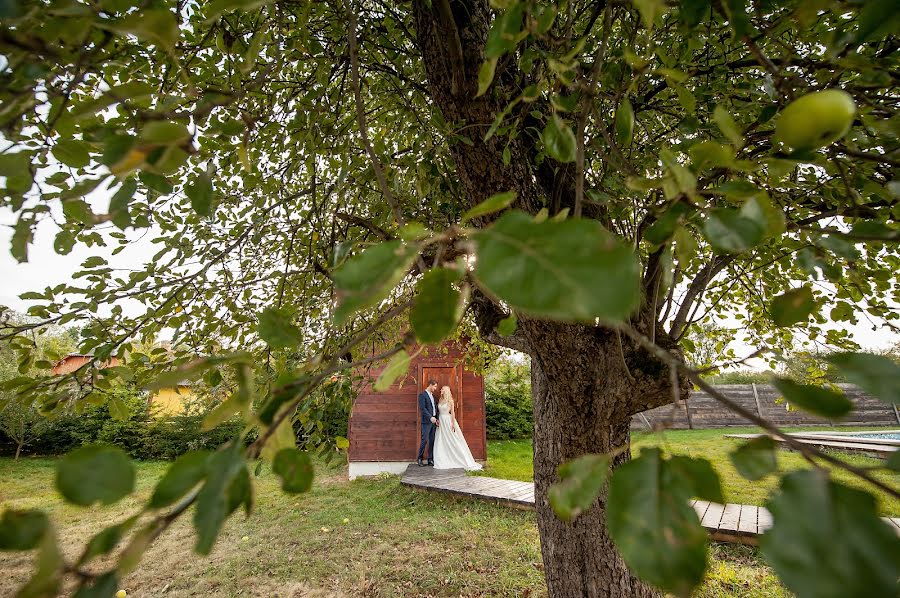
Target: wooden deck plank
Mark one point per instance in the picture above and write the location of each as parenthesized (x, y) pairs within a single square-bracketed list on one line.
[(712, 517), (512, 491), (700, 507), (748, 523), (730, 517), (507, 492), (493, 484)]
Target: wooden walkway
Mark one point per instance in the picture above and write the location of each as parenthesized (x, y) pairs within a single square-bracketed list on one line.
[(456, 481), (741, 524)]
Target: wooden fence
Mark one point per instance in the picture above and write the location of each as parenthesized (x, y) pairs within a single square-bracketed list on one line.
[(703, 411)]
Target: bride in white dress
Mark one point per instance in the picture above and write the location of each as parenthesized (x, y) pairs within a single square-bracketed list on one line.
[(450, 448)]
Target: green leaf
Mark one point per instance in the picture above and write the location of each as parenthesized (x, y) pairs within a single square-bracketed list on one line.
[(877, 19), (761, 210), (438, 307), (651, 11), (692, 12), (277, 330), (78, 211), (295, 470), (580, 482), (282, 436), (737, 17), (755, 459), (22, 530), (728, 127), (118, 205), (118, 409), (494, 203), (23, 235), (569, 270), (709, 154), (104, 586), (653, 525), (63, 242), (559, 140), (223, 468), (792, 306), (728, 231), (240, 492), (505, 32), (700, 475), (71, 153), (684, 179), (105, 541), (184, 474), (156, 182), (15, 164), (738, 189), (341, 443), (508, 325), (875, 374), (160, 132), (155, 25), (134, 551), (827, 540), (366, 279), (814, 399), (624, 123), (662, 230), (10, 9), (396, 367), (486, 75), (95, 473), (44, 583), (219, 7)]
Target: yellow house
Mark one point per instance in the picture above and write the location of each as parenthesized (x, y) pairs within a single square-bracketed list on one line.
[(170, 401)]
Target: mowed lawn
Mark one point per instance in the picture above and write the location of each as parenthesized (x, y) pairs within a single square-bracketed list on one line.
[(395, 541), (512, 459)]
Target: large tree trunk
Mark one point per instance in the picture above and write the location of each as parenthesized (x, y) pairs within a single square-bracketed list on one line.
[(584, 393), (18, 450), (584, 396)]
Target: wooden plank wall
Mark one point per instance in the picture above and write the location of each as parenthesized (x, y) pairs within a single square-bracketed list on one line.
[(706, 412), (384, 426)]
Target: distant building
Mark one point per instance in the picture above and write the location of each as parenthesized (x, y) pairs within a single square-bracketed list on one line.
[(73, 361), (162, 403), (170, 401)]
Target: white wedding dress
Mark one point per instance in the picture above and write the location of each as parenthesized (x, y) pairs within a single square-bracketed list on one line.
[(451, 451)]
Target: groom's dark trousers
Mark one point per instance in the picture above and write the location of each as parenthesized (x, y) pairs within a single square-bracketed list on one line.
[(428, 428)]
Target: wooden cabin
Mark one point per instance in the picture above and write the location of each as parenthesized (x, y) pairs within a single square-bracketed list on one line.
[(384, 429)]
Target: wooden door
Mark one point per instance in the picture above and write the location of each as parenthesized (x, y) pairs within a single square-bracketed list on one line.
[(445, 375)]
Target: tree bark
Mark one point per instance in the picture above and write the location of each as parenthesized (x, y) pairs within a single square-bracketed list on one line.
[(583, 402), (18, 450)]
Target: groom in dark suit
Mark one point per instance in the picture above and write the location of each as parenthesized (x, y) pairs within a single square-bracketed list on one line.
[(428, 409)]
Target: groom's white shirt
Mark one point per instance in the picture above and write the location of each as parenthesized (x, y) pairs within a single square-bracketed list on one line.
[(433, 406)]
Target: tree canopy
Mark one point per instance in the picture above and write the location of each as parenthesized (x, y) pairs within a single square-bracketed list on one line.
[(583, 179)]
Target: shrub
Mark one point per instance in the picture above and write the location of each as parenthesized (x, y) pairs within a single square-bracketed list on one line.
[(139, 434), (508, 409)]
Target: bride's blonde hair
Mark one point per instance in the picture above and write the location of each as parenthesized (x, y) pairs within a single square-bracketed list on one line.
[(446, 395)]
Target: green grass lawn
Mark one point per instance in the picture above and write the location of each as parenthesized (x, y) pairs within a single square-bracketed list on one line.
[(397, 541), (512, 459)]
